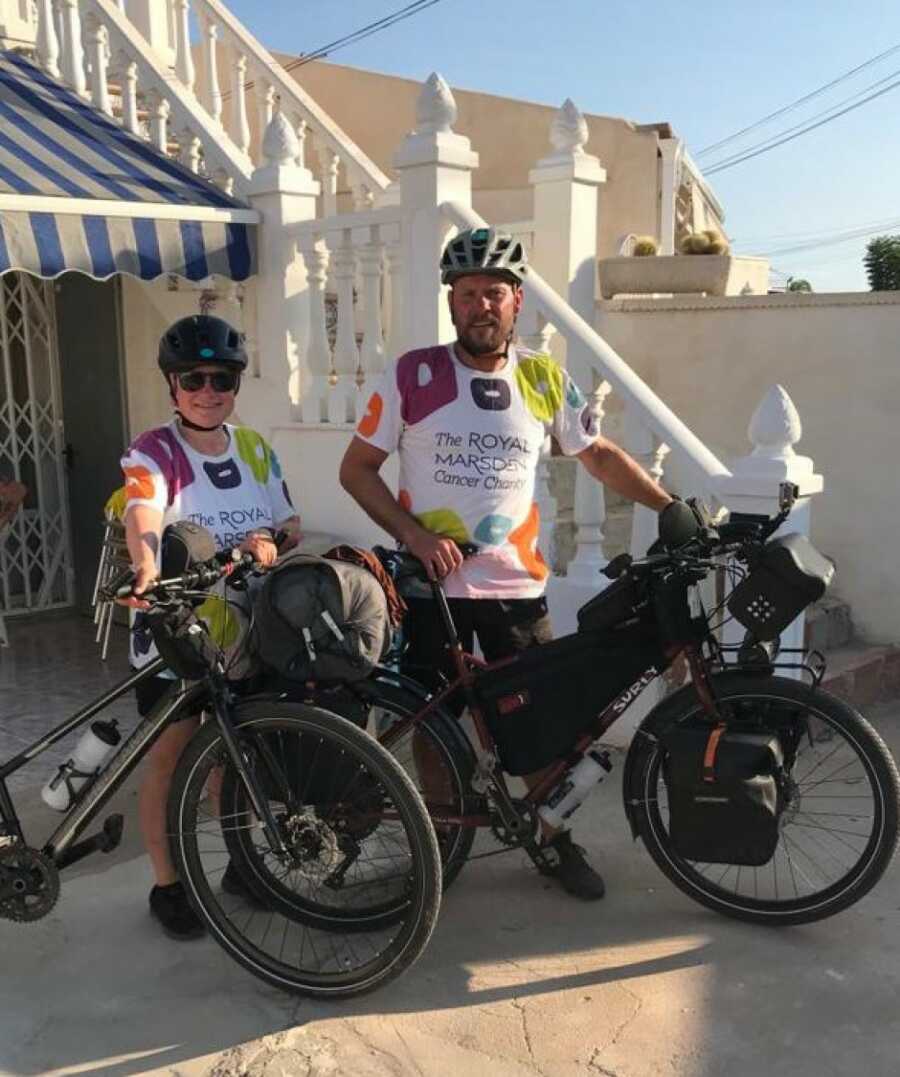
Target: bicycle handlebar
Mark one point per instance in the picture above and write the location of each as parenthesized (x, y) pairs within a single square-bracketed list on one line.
[(204, 575)]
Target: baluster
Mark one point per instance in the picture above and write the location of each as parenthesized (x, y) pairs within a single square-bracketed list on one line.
[(396, 329), (265, 106), (590, 511), (318, 356), (159, 109), (642, 445), (240, 128), (72, 55), (329, 163), (46, 42), (223, 180), (128, 75), (302, 129), (363, 198), (97, 38), (371, 258), (189, 149), (184, 64), (535, 331), (212, 92), (346, 353)]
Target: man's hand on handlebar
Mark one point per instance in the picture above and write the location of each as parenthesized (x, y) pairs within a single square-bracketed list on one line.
[(141, 578), (439, 555), (261, 547)]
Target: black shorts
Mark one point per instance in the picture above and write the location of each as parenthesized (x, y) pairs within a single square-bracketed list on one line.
[(503, 627)]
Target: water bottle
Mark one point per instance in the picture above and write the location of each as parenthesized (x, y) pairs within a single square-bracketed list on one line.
[(575, 786), (95, 745)]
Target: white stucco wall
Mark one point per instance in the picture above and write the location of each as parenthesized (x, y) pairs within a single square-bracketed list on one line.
[(711, 360)]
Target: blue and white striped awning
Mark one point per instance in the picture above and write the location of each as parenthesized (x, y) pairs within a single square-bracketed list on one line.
[(79, 192)]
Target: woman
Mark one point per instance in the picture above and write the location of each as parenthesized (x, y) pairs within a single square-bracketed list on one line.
[(226, 478)]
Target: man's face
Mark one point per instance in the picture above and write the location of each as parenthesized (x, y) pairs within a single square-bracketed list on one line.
[(484, 309)]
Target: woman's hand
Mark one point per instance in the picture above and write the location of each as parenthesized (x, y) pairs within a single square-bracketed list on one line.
[(261, 547), (144, 575)]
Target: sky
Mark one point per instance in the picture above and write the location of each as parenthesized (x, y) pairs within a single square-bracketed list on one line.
[(708, 68)]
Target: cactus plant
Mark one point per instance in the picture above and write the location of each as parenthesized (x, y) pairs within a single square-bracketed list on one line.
[(706, 242), (644, 246)]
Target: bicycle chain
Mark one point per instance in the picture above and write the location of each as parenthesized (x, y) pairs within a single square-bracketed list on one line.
[(29, 881)]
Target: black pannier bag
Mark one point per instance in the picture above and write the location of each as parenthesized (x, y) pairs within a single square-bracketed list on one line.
[(537, 705), (724, 799), (315, 619), (790, 574)]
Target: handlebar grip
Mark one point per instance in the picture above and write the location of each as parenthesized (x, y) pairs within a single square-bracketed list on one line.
[(119, 586), (468, 549)]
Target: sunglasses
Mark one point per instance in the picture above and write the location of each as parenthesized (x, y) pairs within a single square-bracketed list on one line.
[(222, 381)]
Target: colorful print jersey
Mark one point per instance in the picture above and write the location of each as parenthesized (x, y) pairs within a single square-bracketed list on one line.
[(469, 445), (229, 495)]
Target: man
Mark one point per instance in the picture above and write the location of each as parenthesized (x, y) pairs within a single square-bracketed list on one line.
[(468, 422)]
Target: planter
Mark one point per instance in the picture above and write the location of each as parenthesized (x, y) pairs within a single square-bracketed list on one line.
[(674, 274)]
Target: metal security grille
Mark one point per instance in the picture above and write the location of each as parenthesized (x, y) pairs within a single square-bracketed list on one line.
[(35, 552)]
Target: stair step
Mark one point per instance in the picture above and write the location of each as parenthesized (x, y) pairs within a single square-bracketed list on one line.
[(862, 675)]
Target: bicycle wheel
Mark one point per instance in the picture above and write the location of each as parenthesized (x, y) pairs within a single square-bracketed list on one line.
[(438, 758), (839, 825), (358, 840)]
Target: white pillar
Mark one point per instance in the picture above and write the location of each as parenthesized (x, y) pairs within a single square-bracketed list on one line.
[(285, 195), (435, 166), (671, 150), (753, 486), (590, 514), (566, 186)]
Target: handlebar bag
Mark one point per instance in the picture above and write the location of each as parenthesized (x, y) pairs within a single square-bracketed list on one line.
[(616, 603), (789, 575), (182, 641), (537, 705), (320, 620), (724, 798)]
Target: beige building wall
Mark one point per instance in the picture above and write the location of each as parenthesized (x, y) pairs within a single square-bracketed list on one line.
[(711, 360), (377, 111)]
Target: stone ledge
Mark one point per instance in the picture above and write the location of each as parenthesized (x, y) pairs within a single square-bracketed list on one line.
[(645, 304)]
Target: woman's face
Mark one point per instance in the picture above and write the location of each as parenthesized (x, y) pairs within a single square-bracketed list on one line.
[(205, 406)]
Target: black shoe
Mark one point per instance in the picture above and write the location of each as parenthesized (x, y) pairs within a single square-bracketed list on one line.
[(573, 871), (233, 883), (169, 904)]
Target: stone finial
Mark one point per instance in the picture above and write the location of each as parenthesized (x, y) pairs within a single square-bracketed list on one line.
[(435, 107), (775, 427), (569, 130), (280, 145)]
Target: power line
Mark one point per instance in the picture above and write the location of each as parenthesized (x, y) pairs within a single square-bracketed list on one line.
[(803, 123), (363, 32), (829, 240), (789, 138), (889, 222), (800, 101)]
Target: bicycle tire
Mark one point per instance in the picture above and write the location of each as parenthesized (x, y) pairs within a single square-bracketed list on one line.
[(200, 852), (455, 757), (864, 765)]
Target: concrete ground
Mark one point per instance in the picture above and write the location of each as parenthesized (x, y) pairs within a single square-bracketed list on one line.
[(519, 979)]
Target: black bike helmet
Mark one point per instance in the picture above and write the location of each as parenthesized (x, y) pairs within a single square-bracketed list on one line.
[(200, 339)]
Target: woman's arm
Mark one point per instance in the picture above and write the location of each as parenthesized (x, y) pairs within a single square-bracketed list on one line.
[(143, 527)]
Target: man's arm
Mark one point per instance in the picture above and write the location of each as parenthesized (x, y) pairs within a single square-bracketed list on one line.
[(620, 472), (359, 476)]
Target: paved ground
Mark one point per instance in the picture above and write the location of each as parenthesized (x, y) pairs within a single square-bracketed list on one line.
[(518, 980)]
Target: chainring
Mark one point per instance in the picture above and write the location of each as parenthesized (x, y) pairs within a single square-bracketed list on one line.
[(29, 881), (501, 831)]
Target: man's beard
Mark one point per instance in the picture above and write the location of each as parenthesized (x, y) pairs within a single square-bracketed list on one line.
[(483, 343)]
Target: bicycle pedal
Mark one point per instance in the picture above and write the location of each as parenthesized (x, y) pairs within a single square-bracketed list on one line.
[(104, 841)]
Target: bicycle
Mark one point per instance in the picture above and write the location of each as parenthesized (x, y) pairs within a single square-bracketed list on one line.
[(314, 815), (834, 785)]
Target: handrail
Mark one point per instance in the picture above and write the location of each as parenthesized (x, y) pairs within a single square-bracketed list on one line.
[(658, 416), (364, 219), (293, 94)]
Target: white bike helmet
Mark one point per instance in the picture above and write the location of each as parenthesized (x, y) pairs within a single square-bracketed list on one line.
[(484, 250)]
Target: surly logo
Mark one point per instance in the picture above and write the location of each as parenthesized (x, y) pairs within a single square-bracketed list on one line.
[(631, 694)]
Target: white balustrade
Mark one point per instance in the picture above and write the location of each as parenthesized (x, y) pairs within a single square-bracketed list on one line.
[(590, 510), (46, 41), (159, 109), (212, 91), (371, 263), (394, 291), (239, 127), (265, 103), (329, 163), (97, 51), (184, 64), (649, 453), (128, 79), (189, 149), (72, 56)]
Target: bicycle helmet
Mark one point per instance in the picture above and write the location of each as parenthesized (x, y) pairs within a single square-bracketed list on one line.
[(484, 250), (201, 339)]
